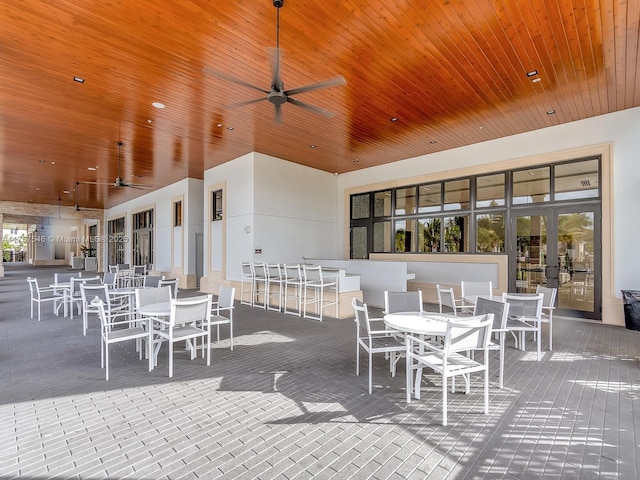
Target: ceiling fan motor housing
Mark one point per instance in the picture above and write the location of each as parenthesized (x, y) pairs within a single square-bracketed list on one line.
[(277, 98), (278, 3)]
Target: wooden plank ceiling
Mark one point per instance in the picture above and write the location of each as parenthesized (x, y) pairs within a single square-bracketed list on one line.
[(452, 73)]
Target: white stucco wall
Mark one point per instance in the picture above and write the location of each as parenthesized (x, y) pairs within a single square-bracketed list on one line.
[(284, 209), (161, 201)]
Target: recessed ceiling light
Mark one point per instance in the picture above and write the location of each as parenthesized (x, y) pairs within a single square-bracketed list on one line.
[(93, 169), (551, 112), (230, 128), (78, 79), (65, 191), (312, 146), (219, 125), (394, 119), (149, 121), (158, 104), (532, 73), (356, 160), (536, 80), (53, 163), (480, 127), (432, 142)]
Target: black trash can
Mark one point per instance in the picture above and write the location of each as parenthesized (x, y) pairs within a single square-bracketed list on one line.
[(631, 300)]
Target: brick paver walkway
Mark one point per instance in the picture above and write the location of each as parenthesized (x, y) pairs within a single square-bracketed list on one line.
[(286, 403)]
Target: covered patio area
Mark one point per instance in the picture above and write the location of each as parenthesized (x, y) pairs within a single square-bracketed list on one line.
[(286, 403)]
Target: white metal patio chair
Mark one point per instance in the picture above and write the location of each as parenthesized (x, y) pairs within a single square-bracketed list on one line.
[(222, 312), (548, 306), (188, 321), (374, 339), (474, 289), (500, 312), (317, 283), (247, 281), (471, 333), (293, 282), (113, 306), (116, 331), (525, 312), (447, 302), (40, 295)]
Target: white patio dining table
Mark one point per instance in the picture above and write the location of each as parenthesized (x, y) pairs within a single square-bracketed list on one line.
[(427, 323)]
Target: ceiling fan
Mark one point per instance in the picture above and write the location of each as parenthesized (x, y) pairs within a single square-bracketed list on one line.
[(277, 95), (119, 182)]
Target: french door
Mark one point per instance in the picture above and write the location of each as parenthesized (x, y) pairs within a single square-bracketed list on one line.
[(558, 247)]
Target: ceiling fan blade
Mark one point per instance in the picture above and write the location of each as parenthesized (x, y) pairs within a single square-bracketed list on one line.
[(98, 183), (229, 78), (275, 56), (311, 108), (332, 82), (246, 102)]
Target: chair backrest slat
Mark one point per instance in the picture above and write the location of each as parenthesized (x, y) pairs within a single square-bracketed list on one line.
[(476, 288), (152, 280), (148, 296), (472, 333), (395, 302), (89, 292), (187, 311), (171, 282), (225, 296), (524, 306), (500, 311), (549, 295)]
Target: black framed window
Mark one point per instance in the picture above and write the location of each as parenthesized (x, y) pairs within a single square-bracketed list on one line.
[(463, 215), (216, 205)]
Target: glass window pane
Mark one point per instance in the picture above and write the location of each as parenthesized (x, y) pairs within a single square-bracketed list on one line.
[(382, 204), (359, 243), (577, 180), (456, 194), (490, 190), (490, 233), (404, 234), (456, 234), (531, 186), (429, 198), (429, 234), (360, 206), (382, 237), (217, 205), (405, 201)]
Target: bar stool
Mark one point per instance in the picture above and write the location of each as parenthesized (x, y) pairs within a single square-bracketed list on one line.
[(274, 278), (293, 280), (247, 278), (260, 277), (317, 282)]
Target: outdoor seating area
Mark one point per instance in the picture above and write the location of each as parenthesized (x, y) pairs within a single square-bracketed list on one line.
[(305, 411)]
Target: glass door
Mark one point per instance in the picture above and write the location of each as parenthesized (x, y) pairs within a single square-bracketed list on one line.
[(558, 247)]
